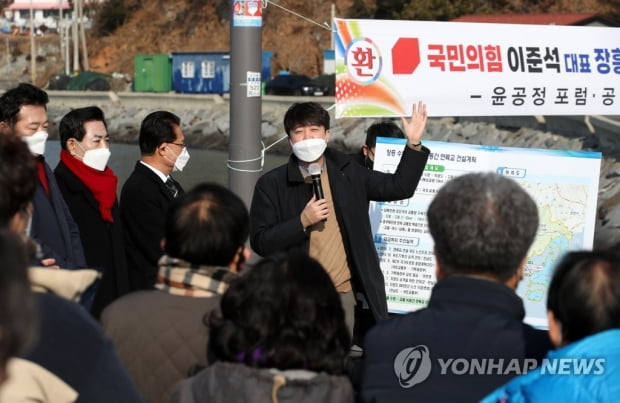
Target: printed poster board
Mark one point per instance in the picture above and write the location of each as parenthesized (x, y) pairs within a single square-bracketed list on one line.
[(564, 185)]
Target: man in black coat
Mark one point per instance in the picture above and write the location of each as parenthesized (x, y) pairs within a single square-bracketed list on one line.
[(471, 338), (335, 230), (148, 192), (88, 186)]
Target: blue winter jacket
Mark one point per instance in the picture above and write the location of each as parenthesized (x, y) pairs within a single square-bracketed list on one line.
[(585, 371)]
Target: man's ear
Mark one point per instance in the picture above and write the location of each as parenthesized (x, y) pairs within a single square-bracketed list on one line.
[(327, 136), (161, 149), (71, 145), (4, 127), (440, 272), (365, 150), (555, 329), (515, 279), (241, 257)]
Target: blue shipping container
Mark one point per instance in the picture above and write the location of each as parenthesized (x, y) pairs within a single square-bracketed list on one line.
[(201, 72)]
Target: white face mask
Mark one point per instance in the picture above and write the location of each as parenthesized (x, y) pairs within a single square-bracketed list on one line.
[(181, 161), (309, 150), (36, 142), (97, 158)]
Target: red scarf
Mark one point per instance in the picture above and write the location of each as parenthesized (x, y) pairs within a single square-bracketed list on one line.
[(102, 184)]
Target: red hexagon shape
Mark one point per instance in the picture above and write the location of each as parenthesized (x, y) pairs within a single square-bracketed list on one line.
[(405, 56)]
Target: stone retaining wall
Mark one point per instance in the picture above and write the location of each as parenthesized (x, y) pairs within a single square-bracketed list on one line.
[(206, 125)]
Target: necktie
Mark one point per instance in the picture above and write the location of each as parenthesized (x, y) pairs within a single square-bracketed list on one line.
[(172, 187)]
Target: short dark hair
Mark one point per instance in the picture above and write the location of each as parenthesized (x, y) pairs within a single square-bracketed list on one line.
[(72, 124), (283, 313), (16, 300), (482, 223), (384, 128), (206, 226), (12, 101), (305, 114), (18, 176), (157, 128), (584, 293)]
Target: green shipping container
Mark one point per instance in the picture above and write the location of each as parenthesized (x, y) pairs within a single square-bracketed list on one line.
[(153, 73)]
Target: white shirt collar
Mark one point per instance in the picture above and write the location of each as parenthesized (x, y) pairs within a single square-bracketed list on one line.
[(161, 175)]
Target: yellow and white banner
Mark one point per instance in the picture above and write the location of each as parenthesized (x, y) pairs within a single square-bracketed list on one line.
[(474, 69)]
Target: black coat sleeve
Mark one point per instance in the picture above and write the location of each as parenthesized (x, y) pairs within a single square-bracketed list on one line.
[(273, 226)]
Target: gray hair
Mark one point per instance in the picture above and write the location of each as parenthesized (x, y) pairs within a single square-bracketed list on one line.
[(482, 223)]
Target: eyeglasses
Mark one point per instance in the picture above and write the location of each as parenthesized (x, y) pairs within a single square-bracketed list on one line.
[(179, 144)]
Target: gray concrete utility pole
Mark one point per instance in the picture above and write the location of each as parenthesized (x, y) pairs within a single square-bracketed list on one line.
[(244, 148)]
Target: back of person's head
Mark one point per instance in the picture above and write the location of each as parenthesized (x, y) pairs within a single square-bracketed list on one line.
[(305, 114), (283, 313), (584, 294), (384, 128), (16, 301), (206, 226), (18, 173), (157, 128), (13, 99), (482, 223), (72, 124)]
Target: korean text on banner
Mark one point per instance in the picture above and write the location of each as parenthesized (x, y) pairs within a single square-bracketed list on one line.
[(475, 69), (564, 185)]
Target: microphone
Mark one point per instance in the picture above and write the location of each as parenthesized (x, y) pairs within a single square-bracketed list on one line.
[(315, 173)]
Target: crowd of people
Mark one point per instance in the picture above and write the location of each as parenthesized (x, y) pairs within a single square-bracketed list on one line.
[(150, 296)]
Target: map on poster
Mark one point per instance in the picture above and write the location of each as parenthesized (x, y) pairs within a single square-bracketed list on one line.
[(564, 185)]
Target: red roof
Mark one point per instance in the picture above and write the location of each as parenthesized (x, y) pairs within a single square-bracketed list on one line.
[(539, 19), (47, 5)]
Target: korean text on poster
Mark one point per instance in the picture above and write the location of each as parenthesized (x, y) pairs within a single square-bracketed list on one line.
[(475, 69), (564, 185)]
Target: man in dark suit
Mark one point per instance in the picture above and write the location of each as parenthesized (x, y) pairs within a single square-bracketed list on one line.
[(23, 112), (148, 192), (482, 225), (335, 230), (88, 186)]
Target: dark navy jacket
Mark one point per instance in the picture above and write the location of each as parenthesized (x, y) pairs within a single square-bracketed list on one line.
[(466, 318), (53, 226)]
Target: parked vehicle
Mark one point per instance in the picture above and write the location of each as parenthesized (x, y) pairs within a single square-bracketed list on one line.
[(294, 84)]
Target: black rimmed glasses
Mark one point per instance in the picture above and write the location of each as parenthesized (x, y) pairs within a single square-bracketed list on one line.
[(183, 145)]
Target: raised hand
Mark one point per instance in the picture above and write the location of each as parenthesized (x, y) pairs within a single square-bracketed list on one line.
[(414, 127)]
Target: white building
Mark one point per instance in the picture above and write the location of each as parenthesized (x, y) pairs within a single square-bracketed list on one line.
[(45, 12)]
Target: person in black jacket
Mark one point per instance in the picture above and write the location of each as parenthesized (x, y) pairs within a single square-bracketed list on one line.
[(148, 192), (483, 225), (335, 230), (385, 128), (88, 186)]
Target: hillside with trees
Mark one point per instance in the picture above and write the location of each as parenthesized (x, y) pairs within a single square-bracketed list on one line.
[(124, 28)]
